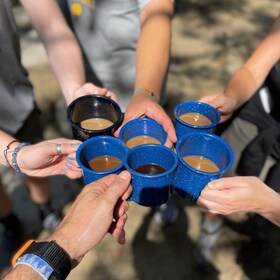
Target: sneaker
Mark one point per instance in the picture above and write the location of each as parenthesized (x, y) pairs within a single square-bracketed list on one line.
[(203, 252), (51, 221), (166, 214)]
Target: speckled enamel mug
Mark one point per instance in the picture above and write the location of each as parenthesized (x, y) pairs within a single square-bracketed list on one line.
[(151, 189), (89, 107), (204, 109), (190, 181), (96, 147), (152, 132)]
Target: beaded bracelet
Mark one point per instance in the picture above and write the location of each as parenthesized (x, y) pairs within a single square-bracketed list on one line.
[(15, 153)]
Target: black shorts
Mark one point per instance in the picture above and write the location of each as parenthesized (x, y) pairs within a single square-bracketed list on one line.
[(32, 129)]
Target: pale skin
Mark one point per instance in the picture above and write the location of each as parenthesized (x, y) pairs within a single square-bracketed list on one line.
[(247, 194), (41, 160), (68, 68), (89, 220), (153, 53), (152, 59), (45, 163), (57, 37), (229, 195), (248, 78)]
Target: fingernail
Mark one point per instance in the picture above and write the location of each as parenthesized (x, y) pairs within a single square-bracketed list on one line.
[(124, 175), (69, 159), (76, 146)]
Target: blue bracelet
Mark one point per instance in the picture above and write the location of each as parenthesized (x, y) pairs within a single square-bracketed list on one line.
[(37, 264), (15, 153)]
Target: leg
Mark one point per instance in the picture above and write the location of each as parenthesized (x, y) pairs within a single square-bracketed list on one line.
[(238, 135), (39, 189), (9, 228)]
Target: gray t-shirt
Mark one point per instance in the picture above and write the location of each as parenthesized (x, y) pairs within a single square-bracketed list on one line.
[(108, 32), (16, 94)]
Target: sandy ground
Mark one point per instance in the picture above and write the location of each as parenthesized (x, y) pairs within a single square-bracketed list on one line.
[(211, 38)]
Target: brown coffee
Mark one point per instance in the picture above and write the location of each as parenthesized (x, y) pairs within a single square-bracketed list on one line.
[(95, 124), (103, 163), (142, 139), (195, 119), (201, 163), (150, 169)]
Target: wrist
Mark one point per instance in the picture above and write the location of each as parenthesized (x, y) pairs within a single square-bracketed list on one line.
[(68, 246), (9, 151), (145, 92), (48, 259)]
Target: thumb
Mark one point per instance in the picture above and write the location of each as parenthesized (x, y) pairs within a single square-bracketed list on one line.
[(118, 187), (222, 183)]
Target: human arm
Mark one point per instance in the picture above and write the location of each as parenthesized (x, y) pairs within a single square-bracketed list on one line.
[(249, 77), (62, 48), (89, 220), (41, 159), (241, 194), (152, 59)]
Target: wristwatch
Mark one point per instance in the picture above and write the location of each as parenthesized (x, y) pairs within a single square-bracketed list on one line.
[(146, 92), (47, 258)]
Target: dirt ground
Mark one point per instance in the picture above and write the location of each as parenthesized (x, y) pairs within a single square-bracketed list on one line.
[(211, 38)]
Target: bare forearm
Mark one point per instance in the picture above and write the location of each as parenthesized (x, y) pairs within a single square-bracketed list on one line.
[(5, 139), (67, 65), (153, 50), (270, 207), (23, 272), (60, 43), (241, 86), (249, 78)]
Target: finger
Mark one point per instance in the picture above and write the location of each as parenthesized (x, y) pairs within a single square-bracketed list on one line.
[(127, 193), (119, 235), (90, 88), (71, 158), (121, 208), (210, 206), (110, 94), (118, 187), (161, 117), (73, 174), (120, 222), (64, 148), (225, 183), (117, 229)]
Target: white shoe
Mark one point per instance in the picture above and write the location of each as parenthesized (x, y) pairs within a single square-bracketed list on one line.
[(207, 241), (52, 221), (166, 214)]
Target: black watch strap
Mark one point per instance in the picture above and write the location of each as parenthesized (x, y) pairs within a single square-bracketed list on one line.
[(54, 255)]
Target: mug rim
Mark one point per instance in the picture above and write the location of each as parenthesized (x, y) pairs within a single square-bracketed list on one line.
[(86, 142), (219, 139), (178, 106), (116, 105), (144, 119), (167, 172)]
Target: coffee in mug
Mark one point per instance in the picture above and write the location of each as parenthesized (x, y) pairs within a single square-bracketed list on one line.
[(140, 140), (201, 163), (195, 119), (104, 163), (150, 169), (95, 124)]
